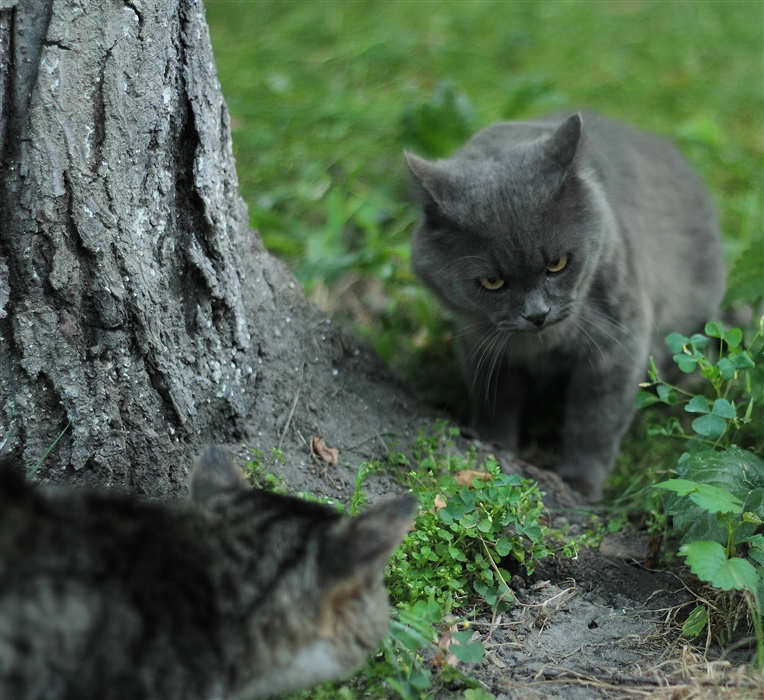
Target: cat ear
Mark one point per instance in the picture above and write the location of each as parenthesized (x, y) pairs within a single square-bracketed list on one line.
[(370, 538), (214, 474), (428, 174), (432, 179), (561, 148), (421, 168)]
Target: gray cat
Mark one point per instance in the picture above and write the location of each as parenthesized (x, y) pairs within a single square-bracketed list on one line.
[(239, 593), (567, 247)]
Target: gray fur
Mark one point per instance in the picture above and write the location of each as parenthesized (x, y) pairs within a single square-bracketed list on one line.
[(567, 348), (239, 593)]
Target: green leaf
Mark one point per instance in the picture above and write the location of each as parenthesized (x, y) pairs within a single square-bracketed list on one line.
[(704, 558), (736, 471), (745, 283), (742, 360), (710, 498), (695, 622), (698, 341), (676, 343), (697, 404), (736, 574), (726, 368), (714, 330), (733, 337), (667, 395), (644, 399), (686, 363), (724, 409), (503, 547), (484, 525), (754, 502), (464, 649), (477, 694), (710, 426)]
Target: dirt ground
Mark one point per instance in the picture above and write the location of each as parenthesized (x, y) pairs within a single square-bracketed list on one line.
[(601, 626)]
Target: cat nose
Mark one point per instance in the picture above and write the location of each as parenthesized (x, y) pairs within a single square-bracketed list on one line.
[(537, 318), (535, 309)]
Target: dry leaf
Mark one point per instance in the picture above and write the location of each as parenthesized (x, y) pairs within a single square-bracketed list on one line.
[(442, 657), (439, 503), (330, 455), (495, 660), (467, 476)]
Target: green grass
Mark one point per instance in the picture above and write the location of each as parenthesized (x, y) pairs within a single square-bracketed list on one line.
[(324, 96)]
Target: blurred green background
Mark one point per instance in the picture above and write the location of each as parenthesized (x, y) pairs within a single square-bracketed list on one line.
[(324, 96)]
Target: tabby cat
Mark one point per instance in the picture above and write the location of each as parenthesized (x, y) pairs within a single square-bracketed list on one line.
[(237, 593), (567, 247)]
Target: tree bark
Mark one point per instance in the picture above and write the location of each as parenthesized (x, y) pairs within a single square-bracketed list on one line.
[(138, 311)]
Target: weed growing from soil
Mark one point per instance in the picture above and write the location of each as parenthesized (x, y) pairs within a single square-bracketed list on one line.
[(473, 520), (717, 503)]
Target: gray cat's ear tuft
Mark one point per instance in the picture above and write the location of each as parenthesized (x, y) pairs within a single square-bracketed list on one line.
[(431, 180), (422, 169), (562, 145), (215, 474), (371, 537)]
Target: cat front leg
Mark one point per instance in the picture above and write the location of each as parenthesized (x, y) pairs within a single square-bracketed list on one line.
[(497, 405), (497, 392), (599, 410)]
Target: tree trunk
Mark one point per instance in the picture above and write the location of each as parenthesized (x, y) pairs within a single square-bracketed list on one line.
[(138, 311)]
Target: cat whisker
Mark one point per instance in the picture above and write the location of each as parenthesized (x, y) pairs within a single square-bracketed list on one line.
[(498, 354), (468, 330), (611, 321), (487, 343), (580, 328), (594, 322)]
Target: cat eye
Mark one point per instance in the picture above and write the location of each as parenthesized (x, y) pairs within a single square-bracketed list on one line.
[(557, 265), (491, 283)]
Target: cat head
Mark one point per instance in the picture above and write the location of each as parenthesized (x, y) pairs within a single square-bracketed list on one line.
[(321, 606), (512, 229)]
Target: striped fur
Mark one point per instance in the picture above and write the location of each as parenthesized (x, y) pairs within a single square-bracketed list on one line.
[(236, 593)]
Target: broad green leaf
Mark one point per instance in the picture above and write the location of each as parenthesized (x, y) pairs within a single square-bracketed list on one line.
[(723, 408), (695, 622), (704, 557), (710, 498), (734, 470), (754, 503), (697, 404), (710, 426), (736, 574)]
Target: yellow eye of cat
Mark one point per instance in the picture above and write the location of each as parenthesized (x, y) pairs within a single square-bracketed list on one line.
[(557, 265), (491, 283)]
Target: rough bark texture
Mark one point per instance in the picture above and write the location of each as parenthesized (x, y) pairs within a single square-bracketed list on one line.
[(136, 305)]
